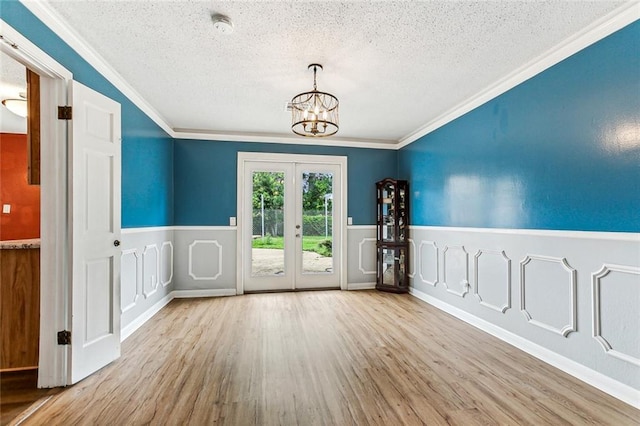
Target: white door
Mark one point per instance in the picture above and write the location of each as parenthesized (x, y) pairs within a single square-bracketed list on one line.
[(291, 224), (317, 247), (267, 220), (95, 224)]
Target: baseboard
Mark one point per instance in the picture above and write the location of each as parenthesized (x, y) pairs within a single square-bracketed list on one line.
[(361, 286), (130, 328), (598, 380), (186, 294)]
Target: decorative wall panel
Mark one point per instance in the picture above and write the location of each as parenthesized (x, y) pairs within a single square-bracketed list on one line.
[(129, 282), (428, 265), (616, 307), (367, 256), (412, 259), (492, 271), (455, 260), (166, 264), (150, 270), (548, 293), (205, 260)]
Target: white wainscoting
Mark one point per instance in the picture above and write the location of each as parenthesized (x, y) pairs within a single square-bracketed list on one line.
[(361, 257), (576, 295), (578, 292), (205, 258), (146, 271), (163, 263)]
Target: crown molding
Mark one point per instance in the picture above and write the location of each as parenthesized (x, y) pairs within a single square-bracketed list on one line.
[(52, 19), (607, 25), (284, 139)]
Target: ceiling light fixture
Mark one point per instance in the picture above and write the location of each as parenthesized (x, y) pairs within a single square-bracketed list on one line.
[(314, 114), (222, 24), (17, 106)]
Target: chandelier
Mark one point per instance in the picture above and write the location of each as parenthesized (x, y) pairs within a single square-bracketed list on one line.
[(314, 114)]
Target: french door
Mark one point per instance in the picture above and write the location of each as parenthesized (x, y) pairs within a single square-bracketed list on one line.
[(291, 223)]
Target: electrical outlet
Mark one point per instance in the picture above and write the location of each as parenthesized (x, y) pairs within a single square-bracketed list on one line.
[(6, 208)]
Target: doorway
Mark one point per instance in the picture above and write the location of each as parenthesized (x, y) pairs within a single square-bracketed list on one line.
[(291, 220), (19, 236), (68, 202), (35, 289)]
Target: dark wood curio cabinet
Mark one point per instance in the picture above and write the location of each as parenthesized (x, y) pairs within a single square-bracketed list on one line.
[(393, 235)]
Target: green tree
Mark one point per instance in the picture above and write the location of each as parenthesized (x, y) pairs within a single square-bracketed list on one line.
[(271, 186), (314, 188)]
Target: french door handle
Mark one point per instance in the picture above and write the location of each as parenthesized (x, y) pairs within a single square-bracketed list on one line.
[(116, 243), (297, 226), (297, 235)]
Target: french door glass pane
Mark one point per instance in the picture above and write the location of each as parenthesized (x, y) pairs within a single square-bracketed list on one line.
[(267, 248), (317, 221)]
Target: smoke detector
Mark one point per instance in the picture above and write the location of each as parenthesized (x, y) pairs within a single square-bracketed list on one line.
[(222, 24)]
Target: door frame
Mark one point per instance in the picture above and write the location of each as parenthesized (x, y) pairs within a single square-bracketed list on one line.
[(55, 312), (242, 228)]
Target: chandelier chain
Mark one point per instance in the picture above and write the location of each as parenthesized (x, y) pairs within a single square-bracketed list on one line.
[(315, 70)]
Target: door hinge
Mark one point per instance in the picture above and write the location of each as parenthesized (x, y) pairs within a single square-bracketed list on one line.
[(64, 337), (64, 113)]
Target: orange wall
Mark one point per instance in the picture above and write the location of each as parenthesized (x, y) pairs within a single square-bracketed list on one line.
[(24, 220)]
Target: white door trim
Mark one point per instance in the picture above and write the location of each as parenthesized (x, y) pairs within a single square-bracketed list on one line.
[(244, 157), (54, 233)]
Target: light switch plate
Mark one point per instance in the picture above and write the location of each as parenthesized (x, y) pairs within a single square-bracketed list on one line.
[(232, 221), (6, 208), (349, 221)]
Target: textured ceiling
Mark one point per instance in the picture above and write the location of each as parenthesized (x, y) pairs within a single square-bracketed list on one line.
[(395, 66)]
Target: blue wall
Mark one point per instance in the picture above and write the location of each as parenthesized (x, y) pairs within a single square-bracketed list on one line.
[(560, 151), (147, 151), (205, 178)]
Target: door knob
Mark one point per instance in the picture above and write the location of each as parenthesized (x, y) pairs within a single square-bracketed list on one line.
[(297, 226), (116, 243)]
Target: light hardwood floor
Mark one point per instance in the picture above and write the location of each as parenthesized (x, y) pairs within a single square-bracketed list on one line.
[(334, 358)]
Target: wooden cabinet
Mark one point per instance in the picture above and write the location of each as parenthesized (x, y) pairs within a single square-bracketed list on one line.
[(19, 308), (392, 235)]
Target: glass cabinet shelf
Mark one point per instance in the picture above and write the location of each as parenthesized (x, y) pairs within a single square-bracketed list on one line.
[(392, 235)]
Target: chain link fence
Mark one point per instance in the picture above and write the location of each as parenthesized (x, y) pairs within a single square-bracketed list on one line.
[(271, 223), (314, 223)]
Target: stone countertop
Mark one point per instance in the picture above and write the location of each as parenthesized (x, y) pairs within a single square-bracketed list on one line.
[(20, 244)]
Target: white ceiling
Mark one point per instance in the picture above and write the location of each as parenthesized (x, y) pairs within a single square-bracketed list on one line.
[(13, 81), (395, 66)]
